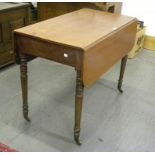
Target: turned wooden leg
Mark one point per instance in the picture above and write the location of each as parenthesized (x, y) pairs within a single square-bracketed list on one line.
[(122, 70), (23, 71), (78, 107)]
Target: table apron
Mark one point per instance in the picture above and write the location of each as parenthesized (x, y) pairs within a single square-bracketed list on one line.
[(58, 53)]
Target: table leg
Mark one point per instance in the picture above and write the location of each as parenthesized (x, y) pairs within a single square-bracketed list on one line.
[(78, 106), (23, 71), (122, 70)]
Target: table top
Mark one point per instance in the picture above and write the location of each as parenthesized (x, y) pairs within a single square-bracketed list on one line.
[(81, 29)]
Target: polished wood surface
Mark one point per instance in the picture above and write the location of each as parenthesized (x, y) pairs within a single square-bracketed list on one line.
[(88, 40), (24, 84), (113, 48), (85, 30), (78, 105), (81, 29), (62, 54)]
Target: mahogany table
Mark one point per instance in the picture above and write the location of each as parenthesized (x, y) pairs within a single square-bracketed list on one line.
[(90, 41)]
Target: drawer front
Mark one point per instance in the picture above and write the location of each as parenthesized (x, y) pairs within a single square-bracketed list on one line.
[(52, 51)]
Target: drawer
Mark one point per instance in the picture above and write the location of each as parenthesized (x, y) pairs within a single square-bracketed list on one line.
[(40, 48)]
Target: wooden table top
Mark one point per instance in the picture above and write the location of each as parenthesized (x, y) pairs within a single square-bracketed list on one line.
[(81, 29)]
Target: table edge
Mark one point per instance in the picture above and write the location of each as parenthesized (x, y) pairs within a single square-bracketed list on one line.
[(72, 46), (106, 36), (48, 41)]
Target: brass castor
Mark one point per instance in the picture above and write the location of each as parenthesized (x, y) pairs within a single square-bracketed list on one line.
[(76, 138)]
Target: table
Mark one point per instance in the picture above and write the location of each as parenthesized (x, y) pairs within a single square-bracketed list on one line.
[(91, 41)]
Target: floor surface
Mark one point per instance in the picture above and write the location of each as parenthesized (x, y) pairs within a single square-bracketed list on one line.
[(110, 121)]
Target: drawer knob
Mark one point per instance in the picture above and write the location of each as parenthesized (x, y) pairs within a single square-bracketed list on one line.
[(65, 55)]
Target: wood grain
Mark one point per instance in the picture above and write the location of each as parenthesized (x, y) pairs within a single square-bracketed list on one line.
[(80, 28), (98, 59), (103, 37), (39, 48), (90, 41)]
